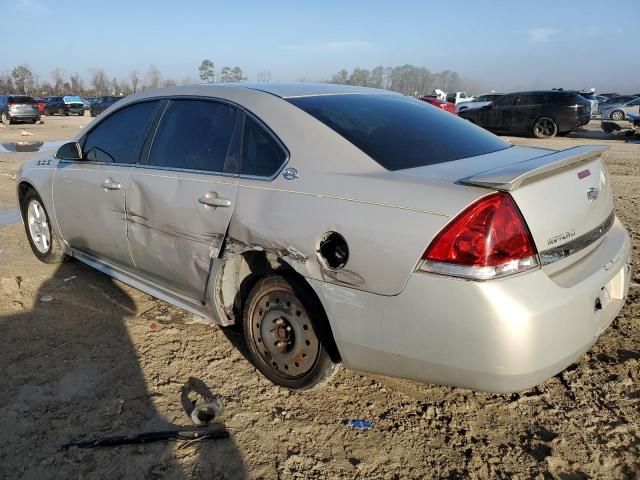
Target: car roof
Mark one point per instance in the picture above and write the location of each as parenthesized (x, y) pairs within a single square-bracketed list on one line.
[(281, 90)]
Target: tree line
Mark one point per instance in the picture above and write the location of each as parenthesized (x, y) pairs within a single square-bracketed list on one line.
[(22, 80), (406, 79)]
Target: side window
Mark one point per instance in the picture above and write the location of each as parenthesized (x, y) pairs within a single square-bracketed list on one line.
[(194, 134), (261, 154), (634, 103), (118, 137), (506, 100)]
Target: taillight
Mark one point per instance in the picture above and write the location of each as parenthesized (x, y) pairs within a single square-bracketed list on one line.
[(489, 239)]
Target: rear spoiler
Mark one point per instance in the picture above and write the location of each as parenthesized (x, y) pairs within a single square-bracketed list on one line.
[(511, 177)]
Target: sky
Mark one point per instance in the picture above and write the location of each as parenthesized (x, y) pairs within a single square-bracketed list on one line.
[(494, 45)]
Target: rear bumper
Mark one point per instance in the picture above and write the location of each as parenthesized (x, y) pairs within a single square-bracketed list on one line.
[(499, 336), (24, 115)]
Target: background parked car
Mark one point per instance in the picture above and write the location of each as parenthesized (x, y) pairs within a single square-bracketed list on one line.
[(618, 100), (436, 102), (479, 101), (18, 108), (619, 111), (543, 114), (102, 104), (67, 105), (457, 97), (40, 104), (591, 97)]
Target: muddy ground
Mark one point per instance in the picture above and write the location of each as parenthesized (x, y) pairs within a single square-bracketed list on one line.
[(101, 358)]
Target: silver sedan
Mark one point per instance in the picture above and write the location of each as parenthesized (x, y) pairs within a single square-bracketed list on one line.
[(619, 111), (344, 225)]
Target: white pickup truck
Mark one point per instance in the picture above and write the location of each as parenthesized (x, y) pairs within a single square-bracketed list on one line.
[(457, 97)]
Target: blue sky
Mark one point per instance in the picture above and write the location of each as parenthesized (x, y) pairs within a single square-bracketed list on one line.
[(496, 44)]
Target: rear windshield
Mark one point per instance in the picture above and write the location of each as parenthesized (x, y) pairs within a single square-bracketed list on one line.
[(21, 99), (399, 132)]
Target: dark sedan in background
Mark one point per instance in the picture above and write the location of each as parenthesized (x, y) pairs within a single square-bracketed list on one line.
[(67, 105), (102, 104), (543, 114)]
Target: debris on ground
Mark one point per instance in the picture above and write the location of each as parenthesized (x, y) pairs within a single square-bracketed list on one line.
[(46, 298), (359, 424), (24, 133)]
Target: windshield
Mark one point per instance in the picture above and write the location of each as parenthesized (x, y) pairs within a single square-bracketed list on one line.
[(72, 99), (399, 132)]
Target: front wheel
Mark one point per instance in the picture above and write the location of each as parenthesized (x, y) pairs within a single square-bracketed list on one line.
[(43, 241), (617, 115), (281, 320), (5, 119), (545, 127)]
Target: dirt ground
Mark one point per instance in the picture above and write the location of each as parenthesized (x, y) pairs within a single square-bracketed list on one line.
[(83, 355)]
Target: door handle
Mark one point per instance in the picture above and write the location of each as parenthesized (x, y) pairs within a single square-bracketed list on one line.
[(109, 184), (211, 199)]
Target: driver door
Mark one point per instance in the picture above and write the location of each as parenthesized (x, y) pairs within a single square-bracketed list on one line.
[(89, 194)]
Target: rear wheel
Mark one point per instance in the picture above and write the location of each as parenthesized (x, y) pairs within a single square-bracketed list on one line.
[(281, 320), (43, 241), (5, 119), (545, 127), (617, 115)]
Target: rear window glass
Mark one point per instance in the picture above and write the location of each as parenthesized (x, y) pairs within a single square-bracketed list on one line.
[(399, 132), (20, 99)]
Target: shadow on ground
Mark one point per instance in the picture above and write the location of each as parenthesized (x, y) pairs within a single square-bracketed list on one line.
[(92, 385)]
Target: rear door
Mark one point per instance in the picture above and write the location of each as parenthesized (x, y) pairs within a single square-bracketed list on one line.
[(89, 195), (502, 113), (180, 203), (525, 111)]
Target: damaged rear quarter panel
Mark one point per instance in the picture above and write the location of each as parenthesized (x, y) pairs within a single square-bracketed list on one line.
[(385, 243)]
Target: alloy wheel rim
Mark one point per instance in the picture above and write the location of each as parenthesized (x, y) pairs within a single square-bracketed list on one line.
[(282, 334), (545, 127), (38, 226)]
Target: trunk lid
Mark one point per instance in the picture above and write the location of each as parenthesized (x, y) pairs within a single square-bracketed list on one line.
[(565, 196)]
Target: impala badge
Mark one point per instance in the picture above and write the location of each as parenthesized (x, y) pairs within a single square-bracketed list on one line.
[(592, 194)]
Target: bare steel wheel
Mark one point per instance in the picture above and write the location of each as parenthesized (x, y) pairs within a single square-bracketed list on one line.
[(42, 239), (545, 127), (281, 334), (4, 119)]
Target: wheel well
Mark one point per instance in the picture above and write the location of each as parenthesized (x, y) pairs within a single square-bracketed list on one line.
[(240, 274), (23, 188)]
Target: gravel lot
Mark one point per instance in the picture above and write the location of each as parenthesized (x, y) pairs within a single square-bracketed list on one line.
[(102, 358)]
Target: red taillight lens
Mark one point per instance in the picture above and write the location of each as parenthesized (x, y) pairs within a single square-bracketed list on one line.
[(487, 240)]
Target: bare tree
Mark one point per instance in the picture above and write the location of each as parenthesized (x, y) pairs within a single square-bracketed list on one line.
[(188, 80), (77, 85), (264, 76), (153, 77), (134, 79), (57, 77), (124, 87), (6, 83), (99, 81)]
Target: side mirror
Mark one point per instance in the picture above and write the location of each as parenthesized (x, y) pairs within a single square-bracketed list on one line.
[(69, 151)]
